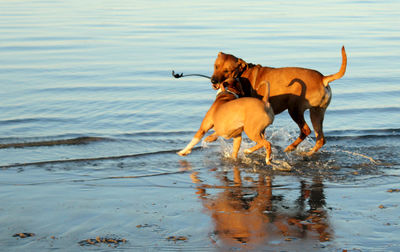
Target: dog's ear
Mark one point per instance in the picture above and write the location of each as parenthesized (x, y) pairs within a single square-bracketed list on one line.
[(242, 64), (241, 67)]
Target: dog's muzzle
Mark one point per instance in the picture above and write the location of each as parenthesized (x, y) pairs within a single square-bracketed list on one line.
[(215, 83), (215, 86)]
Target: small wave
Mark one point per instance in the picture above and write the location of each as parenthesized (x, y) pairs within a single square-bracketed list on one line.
[(364, 137), (364, 110), (34, 120), (91, 159), (362, 134), (348, 94), (367, 131), (19, 48), (157, 133), (75, 139), (72, 141)]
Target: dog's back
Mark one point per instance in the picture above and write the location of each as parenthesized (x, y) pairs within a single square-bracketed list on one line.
[(247, 113)]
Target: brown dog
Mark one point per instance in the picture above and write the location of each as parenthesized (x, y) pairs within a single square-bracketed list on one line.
[(292, 88), (230, 116)]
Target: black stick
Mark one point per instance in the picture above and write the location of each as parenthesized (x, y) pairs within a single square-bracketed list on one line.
[(181, 75)]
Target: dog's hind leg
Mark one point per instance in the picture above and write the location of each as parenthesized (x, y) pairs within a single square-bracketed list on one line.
[(261, 142), (267, 146), (317, 118), (298, 117), (236, 146)]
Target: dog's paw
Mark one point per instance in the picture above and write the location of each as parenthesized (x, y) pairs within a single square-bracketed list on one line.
[(281, 165), (306, 155), (310, 153), (183, 153), (290, 148), (247, 151)]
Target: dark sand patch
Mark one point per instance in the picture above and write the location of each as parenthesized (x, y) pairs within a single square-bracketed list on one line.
[(110, 241), (23, 235)]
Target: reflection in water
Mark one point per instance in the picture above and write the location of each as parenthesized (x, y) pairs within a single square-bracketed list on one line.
[(250, 213)]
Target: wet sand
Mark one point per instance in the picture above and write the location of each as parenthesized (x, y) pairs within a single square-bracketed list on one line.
[(205, 202)]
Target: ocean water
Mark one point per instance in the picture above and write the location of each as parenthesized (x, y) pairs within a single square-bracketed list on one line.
[(91, 118)]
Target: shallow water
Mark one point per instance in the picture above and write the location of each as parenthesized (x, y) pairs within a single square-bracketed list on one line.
[(91, 118)]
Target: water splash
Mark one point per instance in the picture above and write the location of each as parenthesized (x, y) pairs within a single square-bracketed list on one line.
[(361, 155), (323, 161), (279, 138)]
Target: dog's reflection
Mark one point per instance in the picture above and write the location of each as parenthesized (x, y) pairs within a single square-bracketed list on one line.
[(246, 211)]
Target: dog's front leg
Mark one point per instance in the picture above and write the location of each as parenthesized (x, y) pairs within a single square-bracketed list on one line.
[(190, 146), (205, 126)]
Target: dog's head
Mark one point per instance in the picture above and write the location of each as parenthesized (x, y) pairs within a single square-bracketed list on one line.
[(232, 85), (227, 66)]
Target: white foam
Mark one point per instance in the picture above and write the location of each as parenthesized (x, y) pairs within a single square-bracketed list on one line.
[(280, 138)]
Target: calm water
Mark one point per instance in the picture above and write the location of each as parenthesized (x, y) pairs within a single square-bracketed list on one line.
[(91, 118)]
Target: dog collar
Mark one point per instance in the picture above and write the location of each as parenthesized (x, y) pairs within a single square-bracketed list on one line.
[(227, 91)]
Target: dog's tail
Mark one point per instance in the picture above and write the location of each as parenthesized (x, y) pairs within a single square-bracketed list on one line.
[(327, 79)]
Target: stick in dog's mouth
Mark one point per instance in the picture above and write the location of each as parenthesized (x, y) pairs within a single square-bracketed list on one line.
[(176, 75)]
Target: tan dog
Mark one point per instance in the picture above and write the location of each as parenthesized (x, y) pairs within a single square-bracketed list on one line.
[(230, 116), (292, 88)]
